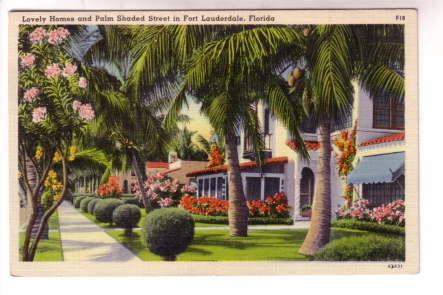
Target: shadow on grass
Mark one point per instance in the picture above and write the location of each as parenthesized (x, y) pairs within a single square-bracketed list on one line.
[(218, 245)]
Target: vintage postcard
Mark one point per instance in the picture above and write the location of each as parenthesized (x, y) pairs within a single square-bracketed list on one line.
[(232, 142)]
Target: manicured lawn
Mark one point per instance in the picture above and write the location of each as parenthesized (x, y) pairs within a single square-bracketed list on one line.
[(201, 224), (218, 245), (142, 221), (51, 249)]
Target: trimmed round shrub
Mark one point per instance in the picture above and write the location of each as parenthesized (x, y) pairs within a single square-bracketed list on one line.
[(84, 203), (168, 232), (91, 205), (77, 201), (364, 248), (126, 216), (103, 210)]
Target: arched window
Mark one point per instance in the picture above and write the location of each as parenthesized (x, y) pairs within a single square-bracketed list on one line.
[(306, 187)]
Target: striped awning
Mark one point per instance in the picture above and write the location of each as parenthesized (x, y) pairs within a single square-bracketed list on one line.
[(378, 169)]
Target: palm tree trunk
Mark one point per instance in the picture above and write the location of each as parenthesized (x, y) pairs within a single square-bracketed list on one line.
[(238, 209), (140, 179), (319, 229)]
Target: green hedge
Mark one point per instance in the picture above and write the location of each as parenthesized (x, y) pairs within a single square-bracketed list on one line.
[(128, 195), (92, 204), (251, 220), (103, 210), (363, 248), (84, 203), (132, 201), (369, 226), (77, 201)]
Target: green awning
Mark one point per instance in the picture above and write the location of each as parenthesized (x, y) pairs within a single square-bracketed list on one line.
[(378, 169)]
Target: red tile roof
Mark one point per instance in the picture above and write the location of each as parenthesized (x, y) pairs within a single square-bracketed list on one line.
[(157, 165), (383, 139), (310, 145), (165, 172), (243, 166)]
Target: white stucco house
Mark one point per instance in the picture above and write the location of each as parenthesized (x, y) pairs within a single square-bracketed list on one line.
[(378, 173)]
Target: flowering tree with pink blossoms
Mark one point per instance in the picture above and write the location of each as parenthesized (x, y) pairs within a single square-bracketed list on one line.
[(53, 110), (163, 191)]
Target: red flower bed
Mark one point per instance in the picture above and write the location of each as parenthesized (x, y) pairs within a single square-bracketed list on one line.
[(111, 189), (275, 206)]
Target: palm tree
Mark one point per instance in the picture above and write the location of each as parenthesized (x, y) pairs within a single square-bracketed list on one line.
[(183, 143), (226, 71), (131, 124), (333, 57)]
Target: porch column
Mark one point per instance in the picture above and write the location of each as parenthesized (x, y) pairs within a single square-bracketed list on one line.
[(262, 188)]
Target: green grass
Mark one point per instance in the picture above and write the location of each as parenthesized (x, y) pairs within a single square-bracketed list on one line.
[(51, 249), (53, 222), (142, 221), (218, 245), (201, 224)]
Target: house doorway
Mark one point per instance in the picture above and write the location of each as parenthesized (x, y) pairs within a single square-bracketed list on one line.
[(306, 191)]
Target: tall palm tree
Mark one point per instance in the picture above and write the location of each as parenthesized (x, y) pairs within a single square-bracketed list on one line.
[(333, 57), (132, 124), (226, 71)]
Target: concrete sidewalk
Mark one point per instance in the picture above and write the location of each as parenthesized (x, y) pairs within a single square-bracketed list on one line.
[(83, 240)]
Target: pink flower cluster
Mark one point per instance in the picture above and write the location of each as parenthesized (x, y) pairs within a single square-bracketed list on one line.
[(53, 71), (38, 35), (82, 82), (391, 213), (188, 189), (69, 70), (38, 114), (85, 111), (54, 37), (27, 60), (162, 190), (31, 94), (57, 36), (166, 202)]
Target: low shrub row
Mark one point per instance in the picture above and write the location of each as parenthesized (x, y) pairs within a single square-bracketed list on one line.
[(77, 200), (132, 201), (110, 210), (84, 203), (91, 205), (103, 210), (369, 226), (251, 220), (363, 248), (167, 231)]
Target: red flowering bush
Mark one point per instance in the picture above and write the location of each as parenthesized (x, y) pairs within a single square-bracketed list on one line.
[(392, 213), (111, 189), (275, 206), (216, 156), (208, 206)]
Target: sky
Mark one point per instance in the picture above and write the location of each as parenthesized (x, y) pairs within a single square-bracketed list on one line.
[(197, 122)]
